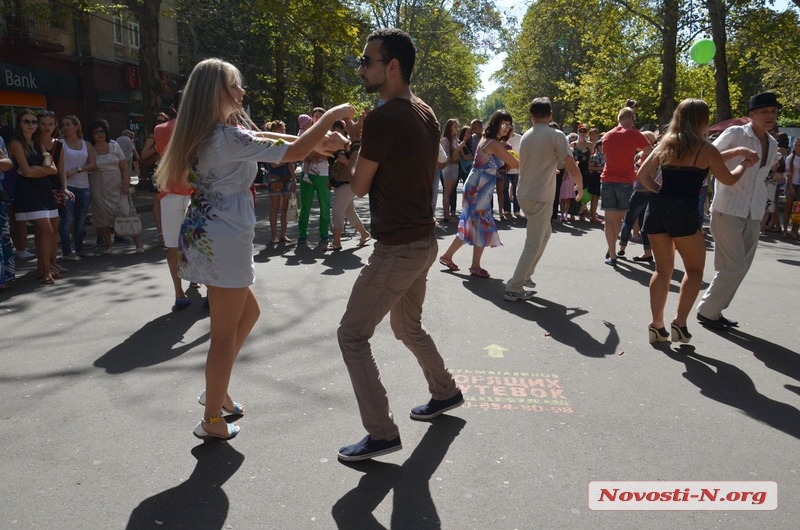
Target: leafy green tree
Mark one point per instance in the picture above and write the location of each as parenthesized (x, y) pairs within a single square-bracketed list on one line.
[(495, 101), (774, 65), (453, 38)]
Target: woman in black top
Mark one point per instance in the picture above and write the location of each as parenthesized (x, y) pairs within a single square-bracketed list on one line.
[(34, 200), (671, 221)]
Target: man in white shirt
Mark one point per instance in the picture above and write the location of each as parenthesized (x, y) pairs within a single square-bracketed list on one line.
[(540, 150), (736, 211)]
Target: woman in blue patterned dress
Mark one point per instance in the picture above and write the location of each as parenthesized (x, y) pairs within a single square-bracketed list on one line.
[(7, 267), (476, 225), (215, 149)]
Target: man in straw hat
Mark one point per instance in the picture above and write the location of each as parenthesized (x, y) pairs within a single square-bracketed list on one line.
[(736, 210)]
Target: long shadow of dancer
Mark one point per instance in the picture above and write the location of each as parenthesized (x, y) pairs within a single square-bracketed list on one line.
[(556, 319), (774, 356), (413, 505), (154, 342), (733, 387), (199, 502)]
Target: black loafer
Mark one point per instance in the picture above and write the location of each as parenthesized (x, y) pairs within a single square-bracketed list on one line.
[(712, 323), (643, 258), (729, 323)]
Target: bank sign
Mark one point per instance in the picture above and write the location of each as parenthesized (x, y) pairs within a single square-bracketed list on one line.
[(21, 79)]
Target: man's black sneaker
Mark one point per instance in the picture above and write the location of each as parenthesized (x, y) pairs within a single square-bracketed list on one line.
[(435, 407), (369, 448), (730, 323)]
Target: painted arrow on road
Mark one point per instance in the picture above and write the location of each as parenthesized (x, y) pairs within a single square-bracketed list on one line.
[(495, 350)]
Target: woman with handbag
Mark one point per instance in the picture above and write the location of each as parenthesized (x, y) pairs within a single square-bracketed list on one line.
[(343, 207), (215, 149), (110, 184), (48, 135)]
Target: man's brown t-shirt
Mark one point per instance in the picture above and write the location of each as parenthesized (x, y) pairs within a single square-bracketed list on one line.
[(402, 136)]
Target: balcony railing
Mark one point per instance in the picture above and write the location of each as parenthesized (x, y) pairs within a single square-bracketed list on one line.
[(33, 29)]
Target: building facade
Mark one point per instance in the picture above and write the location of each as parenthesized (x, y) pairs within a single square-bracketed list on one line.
[(54, 57)]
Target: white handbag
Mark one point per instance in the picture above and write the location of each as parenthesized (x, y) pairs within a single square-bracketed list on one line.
[(128, 223)]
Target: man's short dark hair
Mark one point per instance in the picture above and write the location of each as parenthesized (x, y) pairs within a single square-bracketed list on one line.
[(397, 44), (541, 108)]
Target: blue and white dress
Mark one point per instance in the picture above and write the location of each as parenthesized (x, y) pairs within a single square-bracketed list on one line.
[(216, 240), (476, 225)]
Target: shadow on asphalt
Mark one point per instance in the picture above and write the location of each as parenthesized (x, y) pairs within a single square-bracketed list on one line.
[(774, 356), (198, 502), (412, 505), (555, 319), (727, 384), (158, 341)]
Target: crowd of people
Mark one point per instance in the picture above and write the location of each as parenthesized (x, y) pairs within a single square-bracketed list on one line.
[(54, 179), (204, 159)]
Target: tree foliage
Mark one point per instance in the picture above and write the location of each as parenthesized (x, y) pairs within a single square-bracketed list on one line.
[(590, 56)]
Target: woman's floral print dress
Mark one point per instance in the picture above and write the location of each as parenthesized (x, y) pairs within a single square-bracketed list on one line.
[(216, 240)]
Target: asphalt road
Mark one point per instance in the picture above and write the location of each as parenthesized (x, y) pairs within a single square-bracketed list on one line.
[(100, 380)]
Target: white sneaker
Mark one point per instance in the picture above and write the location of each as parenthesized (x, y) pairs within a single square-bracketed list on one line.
[(512, 296), (530, 284), (24, 254), (71, 257)]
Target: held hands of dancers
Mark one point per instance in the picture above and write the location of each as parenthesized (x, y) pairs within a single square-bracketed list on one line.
[(353, 127), (749, 156), (334, 141)]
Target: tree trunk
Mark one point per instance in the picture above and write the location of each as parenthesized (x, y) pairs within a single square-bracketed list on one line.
[(148, 13), (281, 51), (316, 89), (669, 61), (717, 13)]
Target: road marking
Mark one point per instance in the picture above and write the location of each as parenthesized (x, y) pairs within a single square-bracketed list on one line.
[(496, 351)]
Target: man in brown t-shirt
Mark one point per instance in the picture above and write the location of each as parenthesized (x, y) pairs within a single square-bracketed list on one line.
[(395, 166)]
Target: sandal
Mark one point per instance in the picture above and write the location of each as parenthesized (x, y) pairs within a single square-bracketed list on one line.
[(331, 247), (363, 241), (194, 285), (447, 262), (479, 272), (238, 408), (204, 435), (285, 239), (182, 303), (48, 280), (275, 240)]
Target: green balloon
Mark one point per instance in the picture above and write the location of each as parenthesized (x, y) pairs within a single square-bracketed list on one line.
[(703, 51), (586, 196)]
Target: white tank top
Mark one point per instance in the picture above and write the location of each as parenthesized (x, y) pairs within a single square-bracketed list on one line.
[(73, 159)]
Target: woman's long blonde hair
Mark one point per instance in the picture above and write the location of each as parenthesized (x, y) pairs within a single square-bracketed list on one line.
[(686, 131), (204, 97)]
